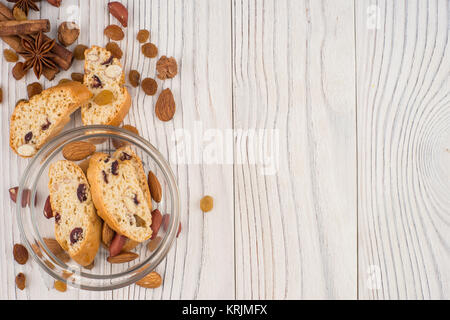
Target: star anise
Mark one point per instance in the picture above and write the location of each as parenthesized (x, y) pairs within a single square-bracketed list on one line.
[(37, 54), (25, 5)]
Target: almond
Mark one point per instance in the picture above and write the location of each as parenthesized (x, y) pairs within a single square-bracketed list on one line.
[(153, 244), (123, 257), (107, 234), (156, 222), (150, 281), (84, 165), (155, 187), (20, 281), (26, 150), (119, 12), (20, 253), (48, 212), (13, 193), (117, 244), (53, 246), (165, 106), (78, 150)]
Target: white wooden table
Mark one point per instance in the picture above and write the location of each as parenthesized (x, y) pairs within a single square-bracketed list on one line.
[(356, 96)]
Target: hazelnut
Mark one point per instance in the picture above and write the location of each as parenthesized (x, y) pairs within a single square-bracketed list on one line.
[(68, 33)]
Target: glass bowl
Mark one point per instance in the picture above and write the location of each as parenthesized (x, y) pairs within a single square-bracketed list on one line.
[(34, 226)]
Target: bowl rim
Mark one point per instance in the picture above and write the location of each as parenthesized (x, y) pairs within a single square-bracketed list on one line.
[(101, 131)]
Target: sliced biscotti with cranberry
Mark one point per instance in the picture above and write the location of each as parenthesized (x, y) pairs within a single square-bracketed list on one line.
[(35, 121), (122, 199), (77, 226), (103, 72)]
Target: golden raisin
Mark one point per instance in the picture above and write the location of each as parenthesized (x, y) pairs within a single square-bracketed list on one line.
[(10, 55), (78, 52), (149, 50), (34, 89), (134, 78), (60, 286), (18, 72), (19, 14), (77, 77), (143, 36), (20, 281), (104, 97), (149, 86), (114, 49), (207, 203), (114, 32)]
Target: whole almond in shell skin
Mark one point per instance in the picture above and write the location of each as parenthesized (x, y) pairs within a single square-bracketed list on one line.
[(48, 212), (165, 106), (53, 246), (155, 187), (20, 253), (78, 150), (123, 257), (151, 281)]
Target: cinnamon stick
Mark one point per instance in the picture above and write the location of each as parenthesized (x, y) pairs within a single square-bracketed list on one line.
[(63, 57), (13, 27)]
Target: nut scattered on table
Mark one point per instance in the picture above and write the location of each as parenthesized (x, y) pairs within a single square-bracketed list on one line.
[(119, 12), (68, 33), (165, 105)]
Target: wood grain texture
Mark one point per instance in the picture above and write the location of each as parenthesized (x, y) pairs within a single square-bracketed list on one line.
[(403, 68), (192, 32), (293, 69)]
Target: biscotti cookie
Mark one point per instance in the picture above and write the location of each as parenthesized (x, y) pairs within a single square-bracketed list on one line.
[(104, 72), (77, 226), (35, 121), (121, 194)]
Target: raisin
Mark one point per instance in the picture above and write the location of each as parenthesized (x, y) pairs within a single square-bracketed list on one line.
[(104, 97), (150, 86), (57, 218), (114, 167), (115, 50), (78, 53), (10, 55), (114, 32), (18, 72), (143, 35), (76, 235), (134, 78), (96, 82), (206, 204), (108, 61), (105, 176), (136, 201), (107, 159), (125, 156), (20, 281), (34, 89), (60, 286), (46, 125), (81, 192), (76, 76), (149, 50), (28, 137)]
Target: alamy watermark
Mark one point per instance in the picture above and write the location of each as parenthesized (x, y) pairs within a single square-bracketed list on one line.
[(259, 147)]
